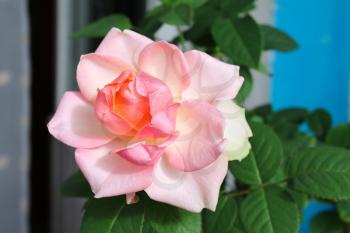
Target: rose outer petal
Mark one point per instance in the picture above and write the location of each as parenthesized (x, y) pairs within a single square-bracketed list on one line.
[(95, 71), (192, 191), (166, 62), (211, 79), (125, 45), (200, 141), (109, 174), (76, 124)]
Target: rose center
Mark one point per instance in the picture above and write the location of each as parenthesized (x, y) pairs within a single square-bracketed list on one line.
[(125, 102)]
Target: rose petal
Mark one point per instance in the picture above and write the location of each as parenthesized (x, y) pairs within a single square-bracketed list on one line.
[(95, 71), (76, 124), (211, 79), (141, 153), (111, 121), (158, 92), (237, 130), (166, 62), (109, 174), (200, 126), (125, 44), (192, 191), (162, 109)]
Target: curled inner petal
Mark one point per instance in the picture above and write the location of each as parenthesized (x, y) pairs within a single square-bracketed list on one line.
[(121, 108)]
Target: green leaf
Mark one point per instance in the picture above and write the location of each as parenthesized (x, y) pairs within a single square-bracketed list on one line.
[(233, 7), (326, 222), (150, 24), (192, 3), (264, 159), (169, 219), (112, 215), (286, 122), (343, 208), (301, 141), (320, 121), (180, 14), (100, 27), (238, 227), (264, 111), (246, 87), (199, 33), (322, 172), (301, 200), (240, 39), (339, 136), (277, 39), (76, 186), (269, 210), (101, 215), (223, 219), (294, 115)]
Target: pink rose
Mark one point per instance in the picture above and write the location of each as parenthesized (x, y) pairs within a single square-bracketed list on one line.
[(149, 117)]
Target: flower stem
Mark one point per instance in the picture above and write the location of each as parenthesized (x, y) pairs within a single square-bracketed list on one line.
[(247, 191)]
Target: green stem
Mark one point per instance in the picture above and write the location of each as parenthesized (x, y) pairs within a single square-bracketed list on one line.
[(247, 191)]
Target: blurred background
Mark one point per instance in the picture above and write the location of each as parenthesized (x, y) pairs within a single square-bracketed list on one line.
[(38, 58)]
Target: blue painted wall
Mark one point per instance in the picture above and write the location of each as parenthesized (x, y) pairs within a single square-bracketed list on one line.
[(317, 74)]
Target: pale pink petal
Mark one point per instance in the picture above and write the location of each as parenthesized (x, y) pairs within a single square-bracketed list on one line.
[(162, 109), (125, 44), (76, 124), (158, 92), (192, 191), (109, 174), (166, 62), (141, 153), (95, 71), (163, 123), (210, 78), (200, 142), (111, 121)]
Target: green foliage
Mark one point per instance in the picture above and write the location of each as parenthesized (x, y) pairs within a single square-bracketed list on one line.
[(193, 3), (264, 158), (76, 186), (339, 136), (343, 208), (300, 199), (233, 8), (240, 39), (246, 87), (269, 210), (224, 217), (151, 23), (301, 141), (278, 40), (169, 219), (320, 121), (179, 14), (100, 27), (322, 172), (112, 215), (326, 222)]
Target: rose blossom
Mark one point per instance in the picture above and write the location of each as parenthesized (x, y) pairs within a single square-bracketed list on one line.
[(149, 117)]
